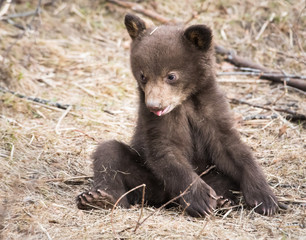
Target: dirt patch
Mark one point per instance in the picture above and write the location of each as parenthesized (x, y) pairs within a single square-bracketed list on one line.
[(78, 53)]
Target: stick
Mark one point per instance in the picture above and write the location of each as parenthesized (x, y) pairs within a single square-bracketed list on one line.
[(293, 200), (119, 199), (90, 93), (141, 210), (35, 99), (293, 116), (263, 75), (231, 56), (264, 26), (5, 8), (140, 9), (44, 230), (49, 104), (254, 117), (87, 135), (61, 119), (22, 14), (266, 73), (65, 179), (11, 120)]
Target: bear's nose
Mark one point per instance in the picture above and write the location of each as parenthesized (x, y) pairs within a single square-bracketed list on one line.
[(153, 105)]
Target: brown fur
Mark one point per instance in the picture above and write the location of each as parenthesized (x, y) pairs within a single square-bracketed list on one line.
[(174, 68)]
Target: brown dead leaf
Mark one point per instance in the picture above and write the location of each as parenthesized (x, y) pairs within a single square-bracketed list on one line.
[(282, 130)]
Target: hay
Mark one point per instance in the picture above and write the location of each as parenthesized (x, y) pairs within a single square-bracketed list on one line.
[(76, 53)]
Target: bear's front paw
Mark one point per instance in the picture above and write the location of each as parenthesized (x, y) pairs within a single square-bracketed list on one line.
[(201, 199), (261, 199)]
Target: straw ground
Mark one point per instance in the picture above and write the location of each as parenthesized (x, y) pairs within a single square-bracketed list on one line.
[(77, 53)]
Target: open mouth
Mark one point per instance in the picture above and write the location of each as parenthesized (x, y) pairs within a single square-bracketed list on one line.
[(162, 112)]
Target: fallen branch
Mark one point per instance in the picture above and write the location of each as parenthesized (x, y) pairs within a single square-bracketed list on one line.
[(263, 73), (231, 56), (49, 104), (292, 115), (35, 99)]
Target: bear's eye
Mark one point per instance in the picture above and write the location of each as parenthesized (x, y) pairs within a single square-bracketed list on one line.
[(143, 78), (171, 78)]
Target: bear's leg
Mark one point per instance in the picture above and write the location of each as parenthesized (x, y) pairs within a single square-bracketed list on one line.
[(236, 161), (223, 187), (117, 169)]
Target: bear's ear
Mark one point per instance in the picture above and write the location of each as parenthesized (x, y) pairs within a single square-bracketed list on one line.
[(134, 25), (200, 36)]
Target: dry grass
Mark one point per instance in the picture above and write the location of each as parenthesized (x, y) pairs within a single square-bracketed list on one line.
[(77, 53)]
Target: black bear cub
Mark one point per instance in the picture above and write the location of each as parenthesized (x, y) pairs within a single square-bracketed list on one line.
[(184, 126)]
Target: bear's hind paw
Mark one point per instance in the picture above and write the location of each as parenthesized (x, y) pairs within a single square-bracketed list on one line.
[(96, 199)]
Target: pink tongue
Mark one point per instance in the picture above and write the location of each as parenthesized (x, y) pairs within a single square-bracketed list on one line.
[(158, 113)]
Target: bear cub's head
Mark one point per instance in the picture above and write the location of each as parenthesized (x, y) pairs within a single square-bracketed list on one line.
[(170, 62)]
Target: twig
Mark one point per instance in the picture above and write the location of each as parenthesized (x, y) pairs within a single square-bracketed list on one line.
[(293, 200), (11, 120), (263, 75), (12, 151), (264, 26), (203, 228), (253, 117), (300, 59), (49, 104), (60, 119), (197, 13), (3, 155), (293, 116), (175, 198), (35, 99), (140, 9), (284, 185), (90, 93), (241, 81), (41, 227), (37, 10), (65, 179), (5, 8), (22, 14), (141, 210), (16, 25), (119, 199), (87, 135), (44, 230)]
